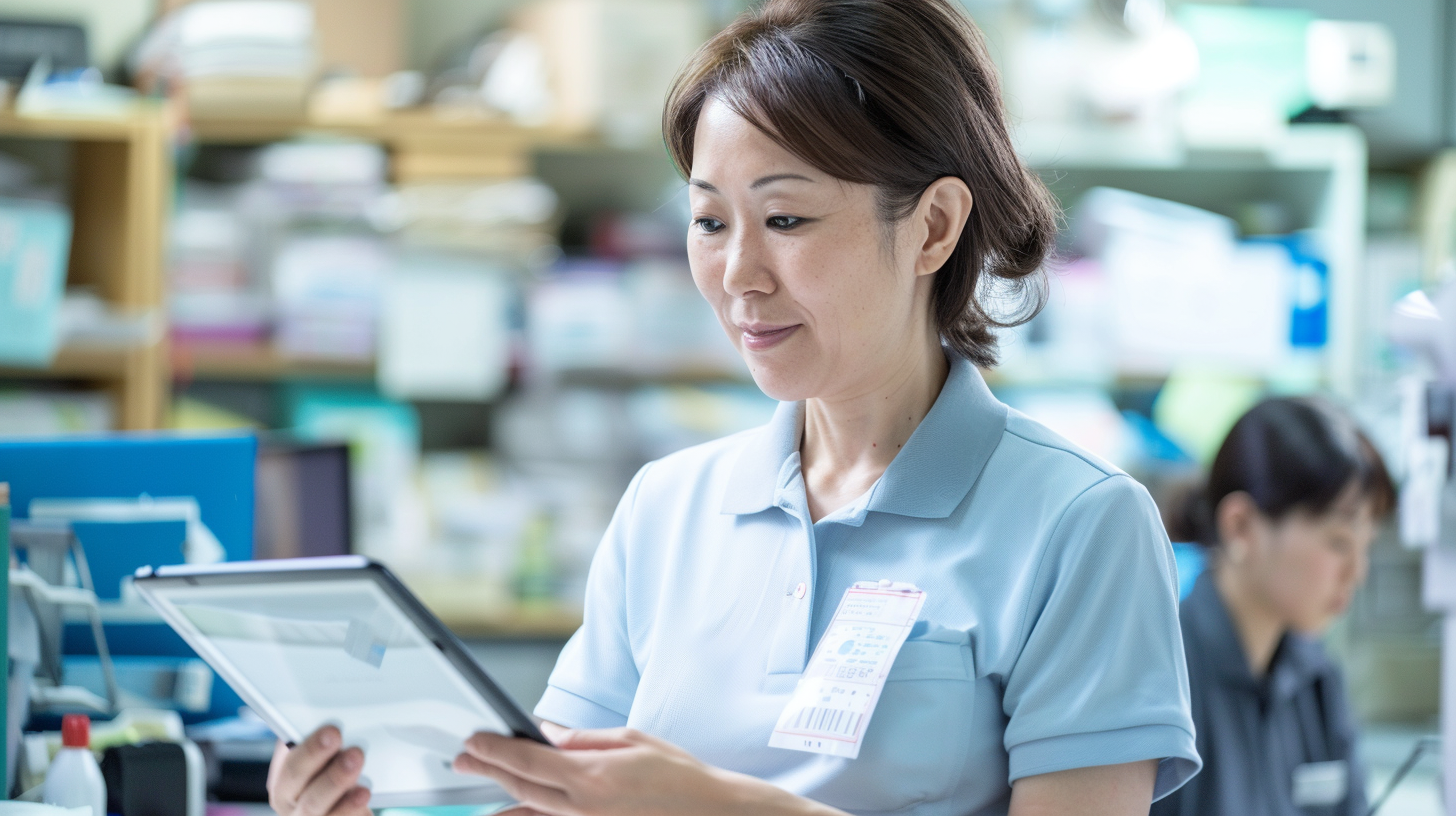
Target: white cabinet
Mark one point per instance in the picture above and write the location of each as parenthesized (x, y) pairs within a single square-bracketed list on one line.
[(1317, 172)]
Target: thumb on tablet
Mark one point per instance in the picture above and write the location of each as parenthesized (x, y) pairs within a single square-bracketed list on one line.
[(556, 733), (586, 739)]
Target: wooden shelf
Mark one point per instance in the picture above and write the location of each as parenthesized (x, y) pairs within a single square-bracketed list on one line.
[(423, 145), (413, 128), (84, 363), (142, 115), (236, 361), (135, 376), (121, 182)]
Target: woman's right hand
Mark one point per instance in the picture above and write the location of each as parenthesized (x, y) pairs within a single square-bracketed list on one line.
[(315, 778)]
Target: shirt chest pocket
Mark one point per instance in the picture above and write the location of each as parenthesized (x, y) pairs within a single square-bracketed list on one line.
[(915, 747)]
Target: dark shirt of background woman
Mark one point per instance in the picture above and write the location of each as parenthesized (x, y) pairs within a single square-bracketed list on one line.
[(1263, 740)]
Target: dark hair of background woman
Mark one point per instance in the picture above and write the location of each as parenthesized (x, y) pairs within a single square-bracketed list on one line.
[(1287, 453), (897, 94)]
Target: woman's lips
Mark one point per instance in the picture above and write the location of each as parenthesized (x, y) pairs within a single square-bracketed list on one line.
[(760, 338)]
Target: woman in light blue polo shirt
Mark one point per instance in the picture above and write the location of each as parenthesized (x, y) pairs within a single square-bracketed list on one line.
[(860, 220)]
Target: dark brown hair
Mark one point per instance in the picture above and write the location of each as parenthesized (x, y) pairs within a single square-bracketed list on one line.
[(1287, 453), (896, 94)]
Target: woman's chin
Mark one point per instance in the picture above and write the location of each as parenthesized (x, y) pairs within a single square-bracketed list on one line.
[(1315, 623), (783, 383)]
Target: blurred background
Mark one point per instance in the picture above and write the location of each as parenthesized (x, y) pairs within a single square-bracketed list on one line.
[(432, 253)]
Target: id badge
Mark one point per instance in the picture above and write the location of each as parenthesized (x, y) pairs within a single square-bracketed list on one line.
[(834, 700), (1321, 784)]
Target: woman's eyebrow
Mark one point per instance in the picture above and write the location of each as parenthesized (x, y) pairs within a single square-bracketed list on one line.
[(703, 185), (779, 177)]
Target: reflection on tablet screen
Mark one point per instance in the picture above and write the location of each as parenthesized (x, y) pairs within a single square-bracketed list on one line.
[(342, 652)]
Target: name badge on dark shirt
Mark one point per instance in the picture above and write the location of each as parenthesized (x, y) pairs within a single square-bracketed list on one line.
[(1320, 784)]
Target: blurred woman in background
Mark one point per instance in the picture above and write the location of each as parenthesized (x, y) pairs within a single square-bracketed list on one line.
[(1290, 508)]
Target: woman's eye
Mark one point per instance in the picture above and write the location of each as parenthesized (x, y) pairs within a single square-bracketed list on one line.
[(784, 222), (708, 225)]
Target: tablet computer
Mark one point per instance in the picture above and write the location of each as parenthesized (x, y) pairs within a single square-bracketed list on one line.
[(310, 641)]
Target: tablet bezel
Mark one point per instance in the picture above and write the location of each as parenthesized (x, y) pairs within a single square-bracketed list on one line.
[(340, 568)]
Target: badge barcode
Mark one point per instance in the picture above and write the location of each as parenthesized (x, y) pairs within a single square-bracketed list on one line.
[(827, 721)]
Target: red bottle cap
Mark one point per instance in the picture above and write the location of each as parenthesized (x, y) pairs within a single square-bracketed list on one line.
[(76, 731)]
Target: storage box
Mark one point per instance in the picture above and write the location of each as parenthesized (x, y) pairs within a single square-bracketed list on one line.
[(35, 242)]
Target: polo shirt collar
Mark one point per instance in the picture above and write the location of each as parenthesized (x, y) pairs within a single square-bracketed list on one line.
[(754, 480), (928, 478), (1216, 632)]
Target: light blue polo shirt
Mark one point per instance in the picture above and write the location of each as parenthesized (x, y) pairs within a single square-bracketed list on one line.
[(1049, 638)]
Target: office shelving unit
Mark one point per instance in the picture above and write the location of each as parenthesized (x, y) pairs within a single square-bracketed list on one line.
[(121, 177), (422, 146), (1317, 171), (120, 186)]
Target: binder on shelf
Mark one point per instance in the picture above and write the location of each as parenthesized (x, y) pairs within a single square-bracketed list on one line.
[(35, 242)]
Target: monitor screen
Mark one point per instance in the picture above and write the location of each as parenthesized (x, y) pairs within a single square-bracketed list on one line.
[(303, 500)]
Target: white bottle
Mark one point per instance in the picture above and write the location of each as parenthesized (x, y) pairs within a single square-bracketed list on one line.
[(74, 778)]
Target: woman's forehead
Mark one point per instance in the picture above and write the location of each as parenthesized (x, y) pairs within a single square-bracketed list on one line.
[(728, 149), (1353, 504)]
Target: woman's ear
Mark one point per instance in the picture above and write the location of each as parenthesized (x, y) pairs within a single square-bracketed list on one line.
[(1237, 520), (944, 207)]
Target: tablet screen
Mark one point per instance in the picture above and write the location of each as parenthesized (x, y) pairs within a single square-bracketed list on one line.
[(342, 652)]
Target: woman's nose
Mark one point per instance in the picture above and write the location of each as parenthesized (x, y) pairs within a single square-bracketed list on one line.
[(1356, 570), (747, 269)]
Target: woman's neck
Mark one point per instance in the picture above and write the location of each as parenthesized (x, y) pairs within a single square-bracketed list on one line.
[(1258, 627), (849, 440)]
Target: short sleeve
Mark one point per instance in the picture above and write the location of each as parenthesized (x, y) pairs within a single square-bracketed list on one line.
[(1101, 678), (596, 676)]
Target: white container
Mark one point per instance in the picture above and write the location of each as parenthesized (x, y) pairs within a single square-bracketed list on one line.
[(74, 779)]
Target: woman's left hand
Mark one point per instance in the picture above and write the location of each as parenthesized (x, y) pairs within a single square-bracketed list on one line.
[(617, 772)]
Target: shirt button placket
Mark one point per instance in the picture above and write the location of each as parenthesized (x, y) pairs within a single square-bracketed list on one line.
[(789, 651)]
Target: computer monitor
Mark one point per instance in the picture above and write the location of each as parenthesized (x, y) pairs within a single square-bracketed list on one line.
[(303, 500)]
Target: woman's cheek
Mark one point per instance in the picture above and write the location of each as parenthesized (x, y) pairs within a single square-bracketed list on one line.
[(1303, 584), (1324, 587)]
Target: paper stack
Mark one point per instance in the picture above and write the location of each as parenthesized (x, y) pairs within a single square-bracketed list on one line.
[(236, 59), (212, 297), (326, 293)]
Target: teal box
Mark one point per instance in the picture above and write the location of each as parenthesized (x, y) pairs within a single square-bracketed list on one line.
[(35, 243)]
